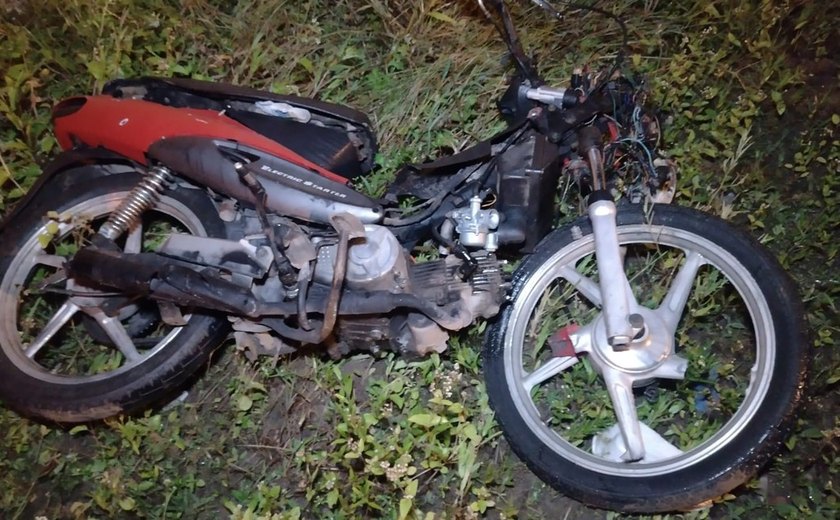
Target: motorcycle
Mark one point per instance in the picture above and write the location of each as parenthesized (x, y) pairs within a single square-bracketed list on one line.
[(182, 210)]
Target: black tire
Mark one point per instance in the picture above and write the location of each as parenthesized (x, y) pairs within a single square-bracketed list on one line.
[(746, 325), (73, 377)]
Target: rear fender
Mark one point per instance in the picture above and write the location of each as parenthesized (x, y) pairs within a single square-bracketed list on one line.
[(65, 171)]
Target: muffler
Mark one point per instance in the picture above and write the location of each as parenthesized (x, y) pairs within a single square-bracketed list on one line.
[(160, 278)]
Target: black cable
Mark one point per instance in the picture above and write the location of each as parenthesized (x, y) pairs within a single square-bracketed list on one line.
[(470, 264), (436, 201), (284, 267)]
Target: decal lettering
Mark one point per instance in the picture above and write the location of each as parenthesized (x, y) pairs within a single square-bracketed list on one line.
[(307, 183)]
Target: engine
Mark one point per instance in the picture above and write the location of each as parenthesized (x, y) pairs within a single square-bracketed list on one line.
[(379, 263), (356, 288)]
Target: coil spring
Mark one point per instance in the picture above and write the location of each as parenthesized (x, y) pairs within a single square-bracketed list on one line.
[(141, 198)]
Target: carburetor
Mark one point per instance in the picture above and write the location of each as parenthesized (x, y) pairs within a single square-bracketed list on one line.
[(475, 226)]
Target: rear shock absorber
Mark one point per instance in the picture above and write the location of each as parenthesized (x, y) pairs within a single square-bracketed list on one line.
[(141, 198)]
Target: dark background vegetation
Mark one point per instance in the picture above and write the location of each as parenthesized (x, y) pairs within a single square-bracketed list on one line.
[(749, 90)]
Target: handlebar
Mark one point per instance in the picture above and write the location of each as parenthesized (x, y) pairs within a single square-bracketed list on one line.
[(508, 33)]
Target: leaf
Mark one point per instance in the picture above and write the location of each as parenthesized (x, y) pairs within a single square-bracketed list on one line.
[(411, 488), (467, 453), (127, 504), (812, 433), (470, 433), (352, 52), (442, 17), (835, 118), (408, 499), (776, 96), (244, 403), (426, 419), (405, 507), (78, 429), (306, 63), (44, 240), (455, 408), (733, 39), (332, 497)]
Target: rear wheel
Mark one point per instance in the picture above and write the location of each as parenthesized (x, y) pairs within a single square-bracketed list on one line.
[(61, 357), (707, 389)]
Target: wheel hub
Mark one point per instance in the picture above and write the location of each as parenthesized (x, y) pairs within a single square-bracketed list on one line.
[(644, 354)]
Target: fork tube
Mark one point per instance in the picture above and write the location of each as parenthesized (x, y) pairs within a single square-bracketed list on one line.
[(602, 213), (611, 277)]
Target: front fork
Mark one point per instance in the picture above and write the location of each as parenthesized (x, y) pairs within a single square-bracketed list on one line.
[(617, 300), (616, 296)]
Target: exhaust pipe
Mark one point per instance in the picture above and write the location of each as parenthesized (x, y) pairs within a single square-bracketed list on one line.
[(149, 274)]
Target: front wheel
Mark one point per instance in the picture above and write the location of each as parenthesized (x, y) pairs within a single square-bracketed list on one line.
[(707, 388)]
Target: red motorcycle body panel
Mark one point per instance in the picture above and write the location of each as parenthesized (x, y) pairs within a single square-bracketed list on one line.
[(129, 127)]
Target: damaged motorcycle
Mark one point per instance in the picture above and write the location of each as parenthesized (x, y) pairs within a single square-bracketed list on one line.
[(181, 211)]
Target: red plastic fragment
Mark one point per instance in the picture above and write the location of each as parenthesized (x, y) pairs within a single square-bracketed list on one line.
[(561, 342)]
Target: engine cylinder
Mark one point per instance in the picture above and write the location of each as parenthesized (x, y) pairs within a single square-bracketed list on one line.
[(377, 262)]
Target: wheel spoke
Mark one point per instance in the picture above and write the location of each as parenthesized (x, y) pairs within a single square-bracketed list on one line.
[(672, 306), (609, 445), (585, 285), (115, 330), (134, 240), (548, 370), (620, 388), (50, 260), (657, 447), (53, 279), (58, 320)]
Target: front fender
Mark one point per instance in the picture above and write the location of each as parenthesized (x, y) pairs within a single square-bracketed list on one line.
[(70, 168)]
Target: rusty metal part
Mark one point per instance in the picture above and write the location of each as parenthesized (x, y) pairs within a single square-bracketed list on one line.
[(589, 144), (304, 277), (348, 227)]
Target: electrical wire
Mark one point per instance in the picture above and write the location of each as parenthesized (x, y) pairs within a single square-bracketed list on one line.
[(643, 147)]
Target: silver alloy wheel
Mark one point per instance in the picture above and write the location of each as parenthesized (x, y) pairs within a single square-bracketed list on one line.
[(32, 254), (564, 265)]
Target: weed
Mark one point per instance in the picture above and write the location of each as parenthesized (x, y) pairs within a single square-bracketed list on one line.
[(747, 94)]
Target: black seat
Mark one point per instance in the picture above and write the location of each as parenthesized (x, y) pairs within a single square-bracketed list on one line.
[(226, 91)]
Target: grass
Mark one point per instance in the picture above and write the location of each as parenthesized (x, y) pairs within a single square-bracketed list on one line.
[(748, 91)]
